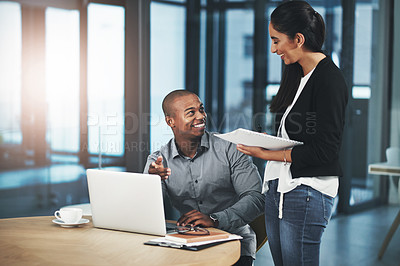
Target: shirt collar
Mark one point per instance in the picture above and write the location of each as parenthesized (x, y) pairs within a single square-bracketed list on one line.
[(204, 144)]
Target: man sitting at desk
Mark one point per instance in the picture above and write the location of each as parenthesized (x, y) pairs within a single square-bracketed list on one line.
[(207, 180)]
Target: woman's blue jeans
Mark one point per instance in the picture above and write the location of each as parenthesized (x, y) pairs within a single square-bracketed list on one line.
[(296, 238)]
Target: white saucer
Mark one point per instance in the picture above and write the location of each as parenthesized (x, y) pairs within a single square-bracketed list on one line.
[(63, 224)]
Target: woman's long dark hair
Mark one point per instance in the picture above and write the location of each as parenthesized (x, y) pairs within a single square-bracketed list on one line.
[(290, 18)]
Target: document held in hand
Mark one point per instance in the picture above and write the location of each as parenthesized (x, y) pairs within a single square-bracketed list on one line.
[(184, 239), (251, 138)]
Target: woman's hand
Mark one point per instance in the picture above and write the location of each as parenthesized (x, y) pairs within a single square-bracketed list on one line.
[(252, 151)]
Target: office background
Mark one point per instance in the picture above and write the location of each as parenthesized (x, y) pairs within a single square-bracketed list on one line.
[(81, 85)]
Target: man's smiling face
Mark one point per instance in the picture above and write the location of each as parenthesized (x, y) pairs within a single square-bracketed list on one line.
[(188, 119)]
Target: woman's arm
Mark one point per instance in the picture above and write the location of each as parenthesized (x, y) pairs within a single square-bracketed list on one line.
[(267, 155), (322, 142)]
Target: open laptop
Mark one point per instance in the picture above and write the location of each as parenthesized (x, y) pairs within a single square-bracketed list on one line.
[(126, 201)]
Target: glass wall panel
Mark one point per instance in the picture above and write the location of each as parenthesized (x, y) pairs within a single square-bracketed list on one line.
[(363, 42), (167, 73), (203, 37), (274, 73), (106, 66), (238, 70), (39, 81), (62, 79), (364, 187), (335, 32), (10, 77), (274, 64), (363, 52), (240, 1), (176, 1)]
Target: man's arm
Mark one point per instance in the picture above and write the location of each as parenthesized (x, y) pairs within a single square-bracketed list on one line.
[(151, 159), (247, 184), (154, 165)]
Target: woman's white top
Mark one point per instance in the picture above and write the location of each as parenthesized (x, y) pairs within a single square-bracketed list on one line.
[(325, 184)]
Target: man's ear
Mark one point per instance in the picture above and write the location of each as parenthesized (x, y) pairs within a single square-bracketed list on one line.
[(299, 39), (170, 121)]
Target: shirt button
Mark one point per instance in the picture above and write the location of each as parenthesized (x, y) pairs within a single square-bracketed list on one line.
[(196, 181)]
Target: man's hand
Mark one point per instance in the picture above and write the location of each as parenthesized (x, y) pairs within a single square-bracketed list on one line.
[(158, 168), (196, 218)]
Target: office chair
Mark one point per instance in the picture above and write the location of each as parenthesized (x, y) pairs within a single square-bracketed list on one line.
[(258, 226)]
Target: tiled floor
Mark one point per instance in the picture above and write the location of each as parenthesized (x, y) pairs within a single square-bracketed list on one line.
[(354, 240)]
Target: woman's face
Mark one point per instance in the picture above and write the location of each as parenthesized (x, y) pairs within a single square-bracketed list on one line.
[(286, 48)]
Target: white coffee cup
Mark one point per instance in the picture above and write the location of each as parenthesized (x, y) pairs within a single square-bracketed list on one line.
[(69, 215)]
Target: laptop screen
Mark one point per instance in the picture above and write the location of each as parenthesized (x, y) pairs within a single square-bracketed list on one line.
[(126, 201)]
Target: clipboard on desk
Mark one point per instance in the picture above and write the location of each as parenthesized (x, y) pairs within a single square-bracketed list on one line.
[(251, 138), (195, 246)]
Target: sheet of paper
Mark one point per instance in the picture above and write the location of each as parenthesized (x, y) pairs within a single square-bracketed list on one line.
[(251, 138)]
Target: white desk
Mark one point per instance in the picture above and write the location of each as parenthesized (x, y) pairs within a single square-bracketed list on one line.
[(389, 170), (384, 169), (38, 241)]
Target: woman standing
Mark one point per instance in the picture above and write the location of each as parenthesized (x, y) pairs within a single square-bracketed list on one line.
[(300, 183)]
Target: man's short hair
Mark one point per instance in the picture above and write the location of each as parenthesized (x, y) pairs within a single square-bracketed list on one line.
[(168, 100)]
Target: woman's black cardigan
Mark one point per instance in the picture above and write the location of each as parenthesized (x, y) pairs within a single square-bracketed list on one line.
[(317, 119)]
